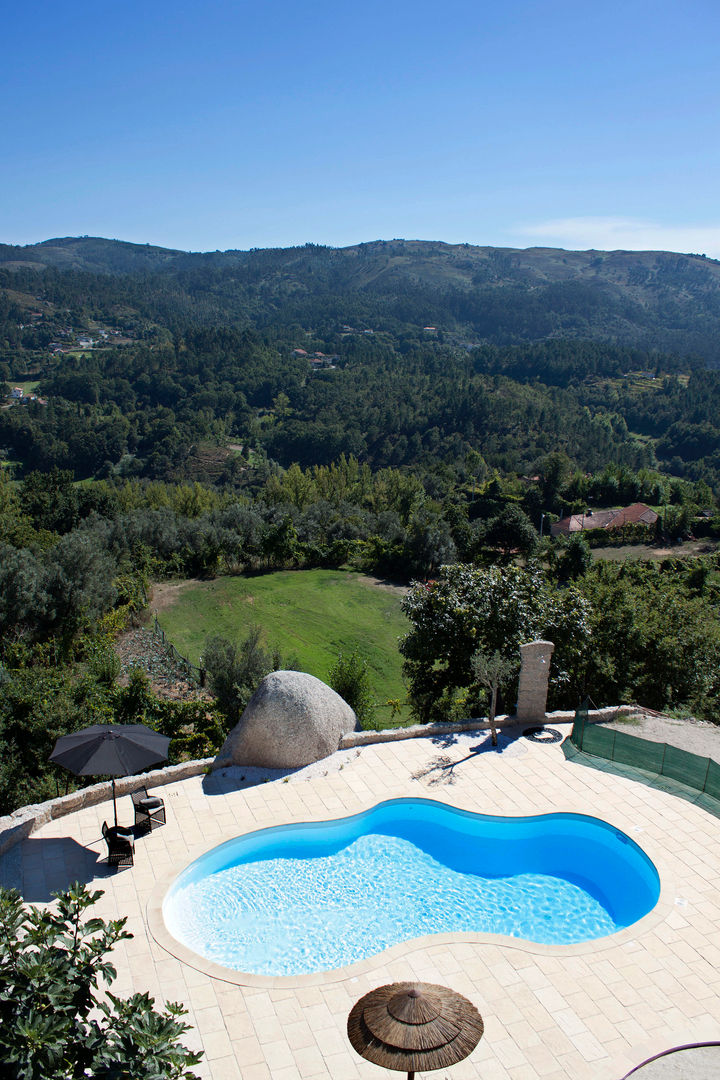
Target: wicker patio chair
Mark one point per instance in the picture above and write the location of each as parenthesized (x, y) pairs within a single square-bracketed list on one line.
[(121, 845), (149, 810)]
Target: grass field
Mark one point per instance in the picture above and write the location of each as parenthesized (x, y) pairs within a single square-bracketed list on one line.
[(653, 553), (310, 615)]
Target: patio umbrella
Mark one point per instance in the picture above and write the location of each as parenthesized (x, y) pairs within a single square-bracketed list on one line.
[(414, 1025), (110, 750)]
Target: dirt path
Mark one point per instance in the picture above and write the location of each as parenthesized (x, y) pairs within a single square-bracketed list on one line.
[(652, 553), (165, 593)]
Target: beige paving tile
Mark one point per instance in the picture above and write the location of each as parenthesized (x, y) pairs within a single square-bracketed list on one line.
[(226, 1069), (583, 1014)]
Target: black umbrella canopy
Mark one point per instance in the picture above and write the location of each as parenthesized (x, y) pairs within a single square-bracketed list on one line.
[(110, 750)]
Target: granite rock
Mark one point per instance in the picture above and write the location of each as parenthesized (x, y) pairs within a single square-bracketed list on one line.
[(291, 720)]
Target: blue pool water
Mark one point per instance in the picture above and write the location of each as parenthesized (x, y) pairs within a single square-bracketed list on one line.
[(316, 896)]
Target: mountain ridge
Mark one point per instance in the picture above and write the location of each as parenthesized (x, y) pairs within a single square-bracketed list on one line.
[(652, 300), (83, 250)]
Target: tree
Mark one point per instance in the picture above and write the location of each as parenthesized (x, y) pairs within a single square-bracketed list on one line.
[(55, 1021), (491, 672), (653, 640), (349, 677), (555, 470), (576, 558), (78, 581), (512, 531), (429, 542), (235, 669), (280, 543), (467, 608), (51, 499)]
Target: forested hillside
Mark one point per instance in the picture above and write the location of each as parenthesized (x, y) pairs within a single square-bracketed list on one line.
[(403, 354), (392, 409), (650, 300)]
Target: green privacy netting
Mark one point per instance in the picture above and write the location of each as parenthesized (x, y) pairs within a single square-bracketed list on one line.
[(712, 784), (698, 773), (687, 768)]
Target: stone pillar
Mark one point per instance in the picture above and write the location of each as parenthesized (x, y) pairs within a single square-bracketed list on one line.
[(534, 675)]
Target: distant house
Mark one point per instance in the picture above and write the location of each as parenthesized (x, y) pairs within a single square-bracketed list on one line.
[(637, 514), (17, 393), (320, 360), (299, 352)]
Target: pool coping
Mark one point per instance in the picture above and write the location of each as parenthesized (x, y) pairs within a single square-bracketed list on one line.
[(162, 936)]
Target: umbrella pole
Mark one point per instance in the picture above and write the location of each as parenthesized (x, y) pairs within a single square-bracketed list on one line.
[(114, 802)]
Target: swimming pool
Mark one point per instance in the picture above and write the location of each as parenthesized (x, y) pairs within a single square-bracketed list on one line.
[(316, 896)]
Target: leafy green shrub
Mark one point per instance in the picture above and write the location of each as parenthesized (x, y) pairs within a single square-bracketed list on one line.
[(235, 669), (105, 665), (54, 1021), (350, 678)]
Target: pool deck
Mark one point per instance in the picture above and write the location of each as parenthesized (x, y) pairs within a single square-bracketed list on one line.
[(582, 1012)]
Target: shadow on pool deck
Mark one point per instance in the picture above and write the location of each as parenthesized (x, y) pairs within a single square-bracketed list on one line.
[(237, 777), (50, 863), (506, 737), (641, 776), (441, 769)]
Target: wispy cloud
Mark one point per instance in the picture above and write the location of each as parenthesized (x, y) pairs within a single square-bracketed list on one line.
[(608, 234)]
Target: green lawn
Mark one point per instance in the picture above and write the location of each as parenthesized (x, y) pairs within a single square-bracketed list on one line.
[(310, 615)]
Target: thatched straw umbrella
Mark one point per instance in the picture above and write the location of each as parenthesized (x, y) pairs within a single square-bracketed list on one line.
[(414, 1026)]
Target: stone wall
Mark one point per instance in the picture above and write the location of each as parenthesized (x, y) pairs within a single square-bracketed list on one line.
[(21, 823)]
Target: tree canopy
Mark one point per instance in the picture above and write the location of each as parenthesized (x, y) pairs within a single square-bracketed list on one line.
[(468, 608)]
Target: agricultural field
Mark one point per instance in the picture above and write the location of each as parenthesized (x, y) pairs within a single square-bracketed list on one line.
[(688, 549), (309, 615)]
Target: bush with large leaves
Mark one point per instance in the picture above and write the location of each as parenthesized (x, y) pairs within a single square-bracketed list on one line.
[(497, 609), (55, 1022)]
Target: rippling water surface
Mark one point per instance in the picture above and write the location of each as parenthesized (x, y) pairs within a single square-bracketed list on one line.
[(287, 916)]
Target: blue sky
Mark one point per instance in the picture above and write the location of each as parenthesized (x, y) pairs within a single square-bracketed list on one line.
[(225, 124)]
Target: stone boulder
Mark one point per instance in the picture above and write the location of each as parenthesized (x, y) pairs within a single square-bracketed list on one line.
[(291, 720)]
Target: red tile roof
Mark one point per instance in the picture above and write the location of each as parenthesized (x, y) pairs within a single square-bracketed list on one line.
[(637, 513)]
